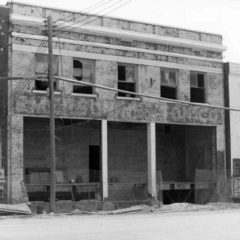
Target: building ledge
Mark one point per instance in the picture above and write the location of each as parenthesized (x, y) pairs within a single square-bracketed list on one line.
[(128, 98), (44, 92), (119, 33), (84, 95)]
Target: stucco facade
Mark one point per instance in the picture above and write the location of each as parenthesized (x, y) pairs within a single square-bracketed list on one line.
[(144, 58)]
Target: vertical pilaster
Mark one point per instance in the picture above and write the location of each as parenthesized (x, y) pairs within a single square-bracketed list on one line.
[(15, 176), (151, 138), (104, 157)]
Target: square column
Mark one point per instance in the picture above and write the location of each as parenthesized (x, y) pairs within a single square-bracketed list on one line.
[(16, 192), (151, 146), (104, 158)]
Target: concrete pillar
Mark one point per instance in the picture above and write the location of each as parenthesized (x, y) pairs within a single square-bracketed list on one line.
[(151, 138), (16, 191), (104, 157)]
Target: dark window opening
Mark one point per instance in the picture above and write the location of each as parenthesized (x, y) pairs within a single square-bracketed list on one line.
[(167, 129), (121, 73), (168, 92), (126, 80), (82, 89), (82, 71), (41, 72), (197, 91), (94, 163), (169, 83), (127, 87), (42, 85)]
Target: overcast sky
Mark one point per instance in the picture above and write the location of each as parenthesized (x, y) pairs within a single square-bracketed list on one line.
[(217, 16)]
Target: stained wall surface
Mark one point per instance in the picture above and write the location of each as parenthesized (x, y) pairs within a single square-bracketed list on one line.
[(119, 42)]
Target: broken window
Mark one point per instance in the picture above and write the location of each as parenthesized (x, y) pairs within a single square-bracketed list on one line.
[(197, 87), (169, 83), (126, 80), (83, 71), (41, 72)]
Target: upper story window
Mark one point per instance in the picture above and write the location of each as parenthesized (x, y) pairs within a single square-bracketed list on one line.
[(126, 79), (169, 83), (41, 71), (197, 87), (83, 71)]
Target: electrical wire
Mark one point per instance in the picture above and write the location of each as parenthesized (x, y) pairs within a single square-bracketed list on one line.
[(87, 18), (20, 88)]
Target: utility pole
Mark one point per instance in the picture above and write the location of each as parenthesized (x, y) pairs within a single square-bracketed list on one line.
[(52, 116)]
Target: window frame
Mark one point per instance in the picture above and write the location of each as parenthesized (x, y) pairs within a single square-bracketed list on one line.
[(135, 72), (204, 88), (92, 78), (56, 82), (169, 85)]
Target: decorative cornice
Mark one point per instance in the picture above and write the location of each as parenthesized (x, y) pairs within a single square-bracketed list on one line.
[(95, 56), (119, 33), (116, 47)]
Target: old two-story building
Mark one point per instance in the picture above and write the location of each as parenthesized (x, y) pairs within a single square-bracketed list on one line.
[(131, 147)]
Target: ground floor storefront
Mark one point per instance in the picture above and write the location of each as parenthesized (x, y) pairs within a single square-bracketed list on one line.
[(120, 162)]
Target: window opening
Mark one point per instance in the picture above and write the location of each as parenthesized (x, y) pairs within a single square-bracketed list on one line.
[(83, 71), (126, 80), (169, 83), (197, 87)]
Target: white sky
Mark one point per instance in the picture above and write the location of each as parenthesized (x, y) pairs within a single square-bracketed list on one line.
[(217, 16)]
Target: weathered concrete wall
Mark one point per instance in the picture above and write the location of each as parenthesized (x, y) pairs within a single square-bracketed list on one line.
[(106, 75), (148, 81), (120, 110), (127, 153), (66, 70), (170, 150), (15, 153), (184, 85), (109, 40), (106, 106), (199, 151), (29, 10), (127, 53), (72, 146), (215, 89), (19, 68), (183, 149)]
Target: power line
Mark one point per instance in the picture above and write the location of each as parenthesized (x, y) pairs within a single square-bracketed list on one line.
[(21, 86), (87, 10), (94, 17), (145, 95)]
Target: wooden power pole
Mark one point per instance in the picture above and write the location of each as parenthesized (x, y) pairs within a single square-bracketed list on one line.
[(52, 116)]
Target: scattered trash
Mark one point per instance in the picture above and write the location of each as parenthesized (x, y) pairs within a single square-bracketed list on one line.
[(9, 209)]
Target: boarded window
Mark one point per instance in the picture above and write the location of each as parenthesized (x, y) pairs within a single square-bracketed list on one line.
[(41, 71), (83, 71), (169, 83), (197, 87), (126, 79)]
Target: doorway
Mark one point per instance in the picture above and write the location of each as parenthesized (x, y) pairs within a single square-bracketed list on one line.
[(94, 163)]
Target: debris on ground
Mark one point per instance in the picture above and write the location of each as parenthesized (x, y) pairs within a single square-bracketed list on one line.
[(133, 209), (10, 209), (175, 207)]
